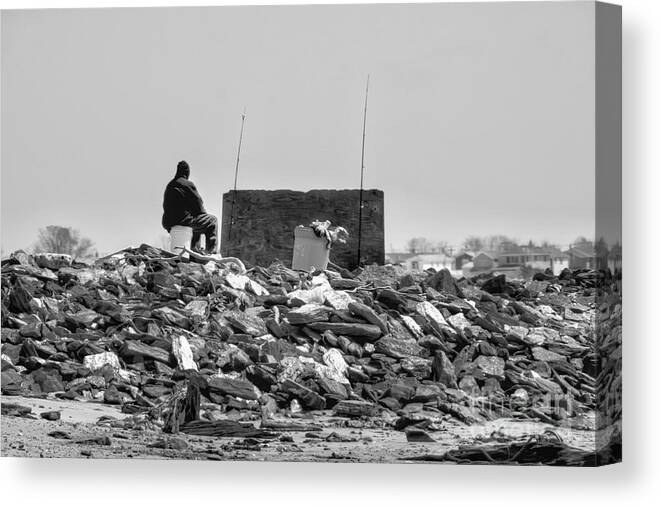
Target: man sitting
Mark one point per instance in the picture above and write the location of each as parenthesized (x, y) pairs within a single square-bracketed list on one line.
[(182, 205)]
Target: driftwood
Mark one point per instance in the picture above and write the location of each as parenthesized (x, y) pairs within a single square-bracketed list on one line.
[(535, 451), (186, 408), (289, 426), (224, 428)]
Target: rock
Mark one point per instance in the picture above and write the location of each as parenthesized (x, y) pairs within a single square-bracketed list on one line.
[(14, 409), (544, 355), (53, 261), (170, 443), (391, 299), (238, 360), (367, 332), (261, 377), (51, 415), (469, 385), (48, 380), (490, 366), (182, 352), (432, 315), (466, 414), (496, 285), (401, 392), (156, 391), (113, 396), (520, 397), (13, 383), (338, 300), (459, 322), (336, 366), (417, 366), (398, 348), (308, 313), (332, 389), (426, 393), (444, 282), (517, 333), (390, 403), (432, 343), (528, 314), (537, 336), (354, 408), (98, 360), (415, 435), (308, 398), (246, 323), (368, 314), (135, 350), (443, 370), (413, 327), (235, 387), (95, 440)]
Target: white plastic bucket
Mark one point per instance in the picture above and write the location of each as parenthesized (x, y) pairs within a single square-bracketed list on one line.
[(310, 251), (180, 237)]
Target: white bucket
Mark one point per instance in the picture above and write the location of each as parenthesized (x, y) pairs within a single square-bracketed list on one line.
[(310, 251), (180, 237)]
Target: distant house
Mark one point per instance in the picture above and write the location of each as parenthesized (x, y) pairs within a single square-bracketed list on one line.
[(462, 259), (535, 257), (582, 256), (559, 261), (485, 260), (426, 261), (398, 258)]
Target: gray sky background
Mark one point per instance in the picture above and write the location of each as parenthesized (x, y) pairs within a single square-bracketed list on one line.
[(480, 121)]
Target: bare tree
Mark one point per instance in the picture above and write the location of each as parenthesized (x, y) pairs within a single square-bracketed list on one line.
[(441, 247), (582, 241), (473, 243), (419, 245), (499, 243), (57, 239)]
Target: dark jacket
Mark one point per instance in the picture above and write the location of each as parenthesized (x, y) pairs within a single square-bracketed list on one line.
[(181, 203)]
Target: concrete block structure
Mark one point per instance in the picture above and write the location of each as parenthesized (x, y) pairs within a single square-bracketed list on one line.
[(258, 225)]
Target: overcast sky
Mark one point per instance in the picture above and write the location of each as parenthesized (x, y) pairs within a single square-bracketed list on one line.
[(480, 117)]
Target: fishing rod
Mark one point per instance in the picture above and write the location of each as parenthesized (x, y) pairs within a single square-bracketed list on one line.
[(236, 173), (362, 171)]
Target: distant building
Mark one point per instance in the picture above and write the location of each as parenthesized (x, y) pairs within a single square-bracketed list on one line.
[(398, 258), (485, 260), (462, 259), (582, 256), (536, 257), (424, 261), (560, 262)]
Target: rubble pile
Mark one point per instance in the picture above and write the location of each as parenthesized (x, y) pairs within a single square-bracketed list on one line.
[(191, 346)]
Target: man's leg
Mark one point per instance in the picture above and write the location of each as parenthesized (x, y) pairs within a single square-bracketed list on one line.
[(206, 224), (195, 241)]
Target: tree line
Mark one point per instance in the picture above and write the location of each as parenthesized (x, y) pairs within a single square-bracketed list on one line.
[(496, 243), (472, 244)]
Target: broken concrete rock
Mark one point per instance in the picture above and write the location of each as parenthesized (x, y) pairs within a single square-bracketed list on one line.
[(139, 327), (308, 398), (235, 387)]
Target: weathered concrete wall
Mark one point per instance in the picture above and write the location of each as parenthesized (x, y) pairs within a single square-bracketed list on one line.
[(264, 222)]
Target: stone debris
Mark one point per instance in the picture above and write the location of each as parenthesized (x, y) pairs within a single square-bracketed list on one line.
[(186, 346)]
